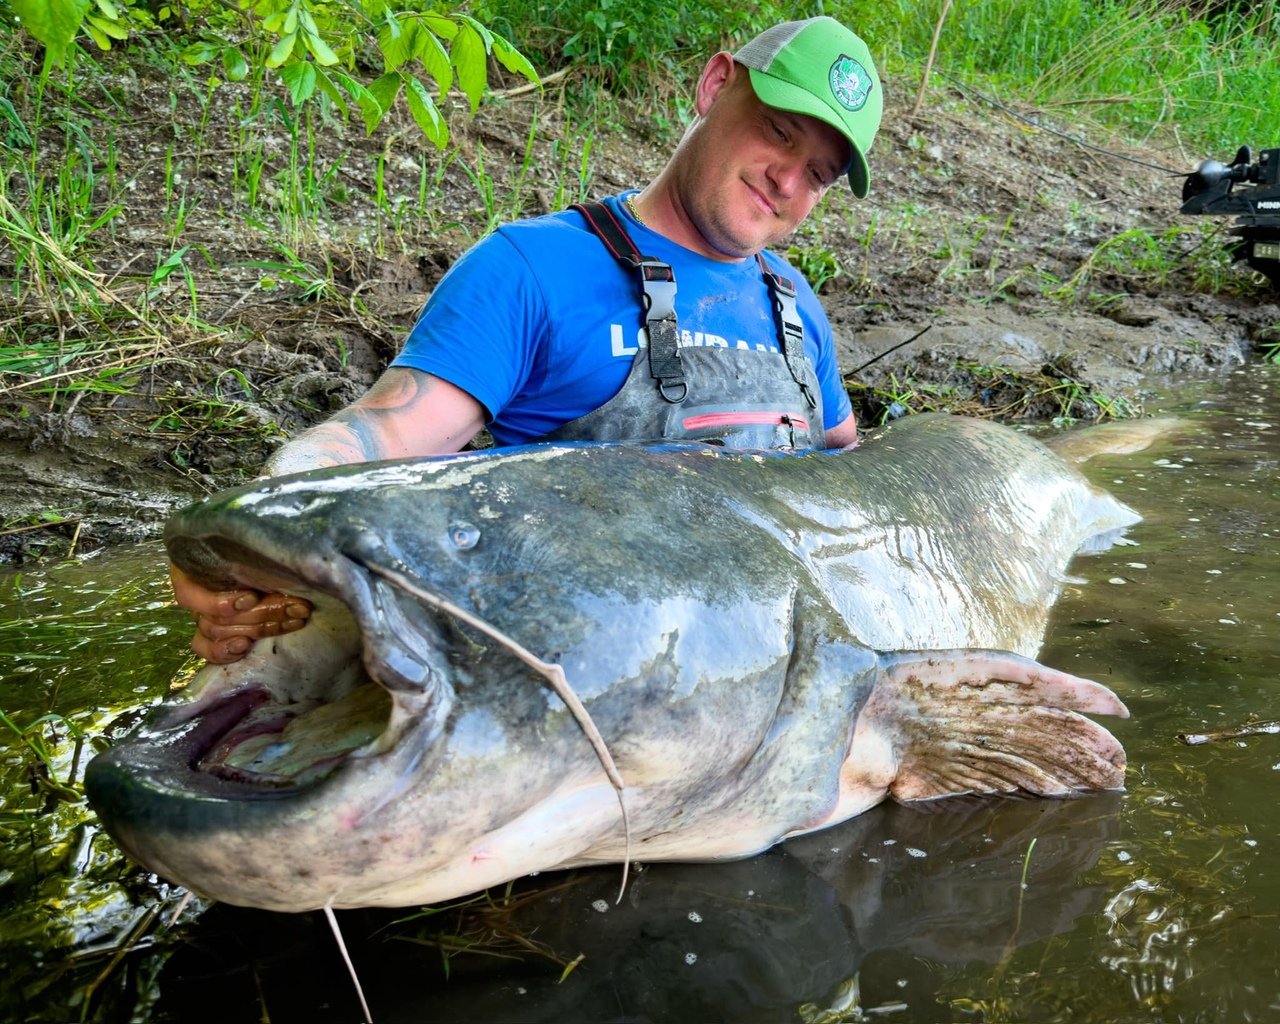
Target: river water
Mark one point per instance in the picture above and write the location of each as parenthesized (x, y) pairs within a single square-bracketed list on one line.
[(1159, 904)]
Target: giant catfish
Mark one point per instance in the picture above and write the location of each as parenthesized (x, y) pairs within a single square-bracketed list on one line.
[(767, 644)]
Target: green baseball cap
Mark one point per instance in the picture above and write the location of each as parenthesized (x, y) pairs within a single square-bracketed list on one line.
[(819, 68)]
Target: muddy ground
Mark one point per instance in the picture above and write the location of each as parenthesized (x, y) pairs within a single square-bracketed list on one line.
[(1055, 280)]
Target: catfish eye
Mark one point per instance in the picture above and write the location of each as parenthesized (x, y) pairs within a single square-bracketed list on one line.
[(464, 536)]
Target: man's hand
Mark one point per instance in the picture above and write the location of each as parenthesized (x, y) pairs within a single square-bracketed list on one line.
[(229, 621)]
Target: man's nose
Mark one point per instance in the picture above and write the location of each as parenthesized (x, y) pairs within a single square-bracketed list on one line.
[(787, 174)]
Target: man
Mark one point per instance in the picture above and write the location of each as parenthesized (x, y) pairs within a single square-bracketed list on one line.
[(653, 314)]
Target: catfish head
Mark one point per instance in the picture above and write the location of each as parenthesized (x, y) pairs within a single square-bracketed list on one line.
[(335, 765)]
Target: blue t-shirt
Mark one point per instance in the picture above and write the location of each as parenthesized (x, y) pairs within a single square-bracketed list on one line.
[(540, 324)]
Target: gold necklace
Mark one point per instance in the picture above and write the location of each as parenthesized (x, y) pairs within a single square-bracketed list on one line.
[(631, 205)]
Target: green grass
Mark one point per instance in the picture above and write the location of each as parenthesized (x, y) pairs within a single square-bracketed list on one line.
[(1192, 253), (1270, 343), (818, 265), (1143, 66), (637, 47), (990, 392), (41, 738)]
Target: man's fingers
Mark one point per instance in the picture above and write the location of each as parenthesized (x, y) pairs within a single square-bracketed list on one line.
[(269, 610), (216, 629), (225, 642), (229, 621), (221, 652), (241, 606), (223, 603)]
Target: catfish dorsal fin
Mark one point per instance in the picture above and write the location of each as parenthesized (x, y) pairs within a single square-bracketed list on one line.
[(1118, 437)]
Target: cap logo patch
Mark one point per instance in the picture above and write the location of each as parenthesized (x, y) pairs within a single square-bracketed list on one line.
[(850, 83)]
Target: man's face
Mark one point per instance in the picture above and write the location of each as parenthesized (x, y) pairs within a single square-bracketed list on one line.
[(753, 172)]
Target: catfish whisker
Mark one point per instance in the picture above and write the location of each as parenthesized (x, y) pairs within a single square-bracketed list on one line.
[(346, 959), (552, 672)]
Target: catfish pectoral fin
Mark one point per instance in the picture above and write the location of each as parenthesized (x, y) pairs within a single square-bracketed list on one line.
[(999, 677), (1006, 749), (945, 723)]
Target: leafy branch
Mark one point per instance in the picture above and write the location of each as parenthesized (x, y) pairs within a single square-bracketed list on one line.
[(312, 45)]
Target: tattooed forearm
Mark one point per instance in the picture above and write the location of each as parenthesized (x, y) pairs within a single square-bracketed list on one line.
[(332, 443), (404, 414)]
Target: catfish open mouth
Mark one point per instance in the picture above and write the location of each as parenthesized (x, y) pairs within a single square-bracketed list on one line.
[(293, 710), (371, 674), (282, 720), (269, 744)]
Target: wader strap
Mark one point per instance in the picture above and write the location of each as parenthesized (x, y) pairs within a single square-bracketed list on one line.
[(659, 283), (790, 329)]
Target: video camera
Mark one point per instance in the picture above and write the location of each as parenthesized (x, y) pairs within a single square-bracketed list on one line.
[(1249, 190)]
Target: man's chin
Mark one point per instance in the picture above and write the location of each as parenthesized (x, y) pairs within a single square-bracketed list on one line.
[(738, 242)]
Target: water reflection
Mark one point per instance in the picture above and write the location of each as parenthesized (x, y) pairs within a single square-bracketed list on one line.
[(1150, 906), (752, 940), (80, 642), (1185, 624)]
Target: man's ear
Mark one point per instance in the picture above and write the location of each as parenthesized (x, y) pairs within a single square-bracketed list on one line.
[(718, 73)]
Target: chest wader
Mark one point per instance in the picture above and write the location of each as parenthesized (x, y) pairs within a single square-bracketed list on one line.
[(728, 396)]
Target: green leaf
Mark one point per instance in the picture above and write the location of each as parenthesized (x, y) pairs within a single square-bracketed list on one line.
[(17, 130), (108, 9), (300, 78), (112, 28), (98, 36), (104, 218), (386, 89), (53, 22), (319, 49), (397, 45), (513, 60), (424, 111), (198, 53), (444, 27), (468, 56), (234, 64), (485, 35), (171, 263), (282, 50), (325, 84), (371, 109), (435, 58)]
